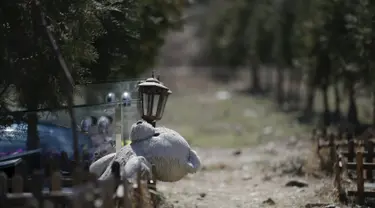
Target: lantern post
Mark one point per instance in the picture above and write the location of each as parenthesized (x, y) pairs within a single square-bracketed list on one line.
[(153, 96)]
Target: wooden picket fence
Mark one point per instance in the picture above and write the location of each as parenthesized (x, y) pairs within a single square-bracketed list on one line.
[(351, 154), (87, 191)]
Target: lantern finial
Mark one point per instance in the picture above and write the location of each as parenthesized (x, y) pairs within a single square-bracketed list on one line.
[(153, 73)]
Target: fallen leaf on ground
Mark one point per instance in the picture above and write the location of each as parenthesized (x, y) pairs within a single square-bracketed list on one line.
[(296, 183), (269, 201)]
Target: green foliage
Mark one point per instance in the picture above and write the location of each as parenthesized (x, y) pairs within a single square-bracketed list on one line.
[(292, 33), (27, 57), (98, 39), (332, 41), (134, 31)]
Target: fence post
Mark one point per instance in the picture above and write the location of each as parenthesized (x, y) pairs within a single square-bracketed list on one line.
[(54, 165), (332, 151), (21, 170), (318, 137), (55, 181), (138, 190), (64, 161), (77, 176), (127, 201), (77, 201), (107, 188), (37, 187), (339, 135), (3, 189), (115, 171), (17, 184), (55, 184), (369, 158), (351, 148), (360, 180), (317, 145), (152, 186), (324, 132), (338, 175)]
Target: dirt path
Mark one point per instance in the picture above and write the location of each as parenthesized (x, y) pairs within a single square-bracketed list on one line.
[(250, 177), (256, 177)]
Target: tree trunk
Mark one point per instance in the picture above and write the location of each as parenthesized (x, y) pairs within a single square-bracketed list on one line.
[(308, 110), (288, 80), (295, 87), (267, 78), (31, 101), (279, 85), (337, 102), (298, 88), (255, 78), (33, 141), (326, 112), (32, 132), (352, 111)]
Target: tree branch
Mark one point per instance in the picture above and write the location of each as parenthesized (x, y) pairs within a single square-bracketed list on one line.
[(69, 84)]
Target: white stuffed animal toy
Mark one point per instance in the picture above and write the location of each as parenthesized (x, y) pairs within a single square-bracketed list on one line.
[(166, 149)]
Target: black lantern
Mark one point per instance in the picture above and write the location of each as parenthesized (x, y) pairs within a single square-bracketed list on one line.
[(153, 96)]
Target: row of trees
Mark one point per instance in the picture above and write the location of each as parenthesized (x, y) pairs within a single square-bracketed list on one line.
[(99, 40), (330, 41)]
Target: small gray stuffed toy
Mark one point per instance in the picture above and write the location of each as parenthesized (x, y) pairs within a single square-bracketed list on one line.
[(166, 149), (100, 133)]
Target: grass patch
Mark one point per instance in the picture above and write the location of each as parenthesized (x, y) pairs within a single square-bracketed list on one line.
[(238, 121)]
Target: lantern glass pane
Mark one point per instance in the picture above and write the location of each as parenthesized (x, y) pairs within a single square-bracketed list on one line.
[(155, 105), (149, 104), (140, 106), (160, 105), (164, 102), (145, 104)]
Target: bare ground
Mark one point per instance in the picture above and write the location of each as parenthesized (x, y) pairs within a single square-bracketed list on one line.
[(255, 178), (249, 150)]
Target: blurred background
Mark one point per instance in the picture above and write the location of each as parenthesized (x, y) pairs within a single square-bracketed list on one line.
[(242, 68), (242, 73), (236, 68)]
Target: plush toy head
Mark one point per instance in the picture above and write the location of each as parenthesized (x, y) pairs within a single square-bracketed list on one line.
[(104, 123), (141, 130), (170, 153), (87, 123)]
